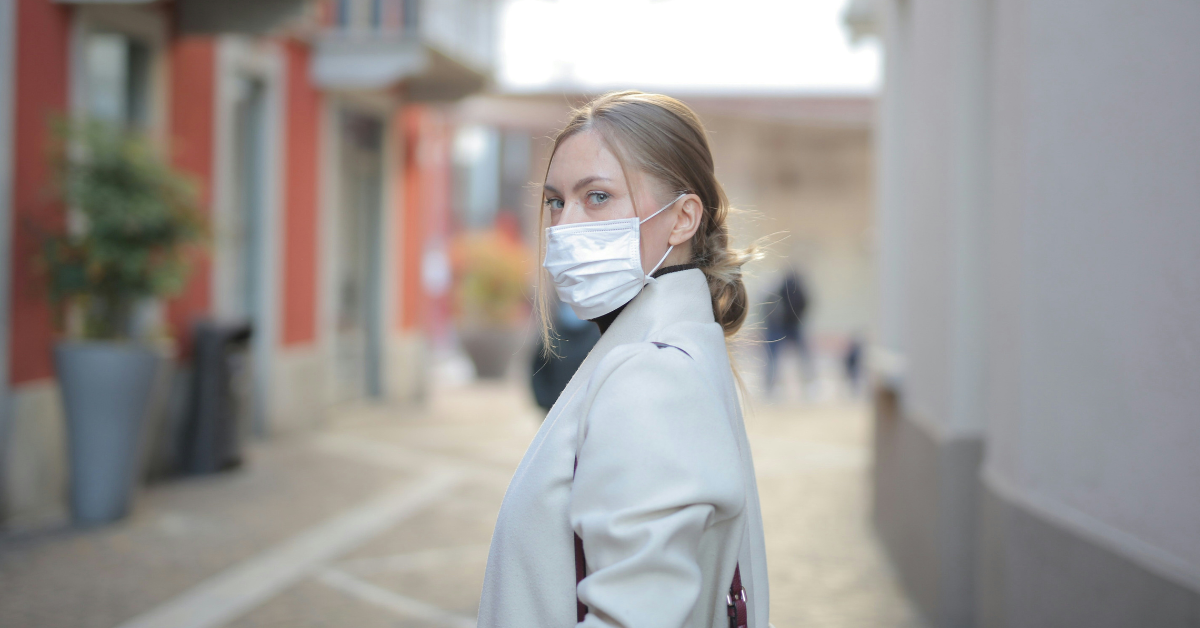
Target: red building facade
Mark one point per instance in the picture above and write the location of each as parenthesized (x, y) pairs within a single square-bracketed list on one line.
[(321, 199)]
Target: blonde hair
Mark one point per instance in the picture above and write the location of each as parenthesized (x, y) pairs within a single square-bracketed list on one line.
[(662, 137)]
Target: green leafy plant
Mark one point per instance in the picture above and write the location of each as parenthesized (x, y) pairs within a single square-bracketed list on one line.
[(491, 279), (132, 220)]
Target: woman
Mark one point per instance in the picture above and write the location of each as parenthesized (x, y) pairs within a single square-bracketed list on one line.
[(643, 459)]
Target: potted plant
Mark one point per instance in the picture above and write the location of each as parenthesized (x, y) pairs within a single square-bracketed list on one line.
[(490, 297), (130, 221)]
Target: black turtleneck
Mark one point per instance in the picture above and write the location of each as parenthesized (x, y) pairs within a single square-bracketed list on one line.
[(606, 320)]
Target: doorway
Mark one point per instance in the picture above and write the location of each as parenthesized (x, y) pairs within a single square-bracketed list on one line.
[(243, 235), (246, 219), (358, 337)]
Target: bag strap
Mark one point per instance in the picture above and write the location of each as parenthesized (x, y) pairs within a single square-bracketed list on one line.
[(735, 600)]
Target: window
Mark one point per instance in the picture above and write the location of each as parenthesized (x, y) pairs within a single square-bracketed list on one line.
[(376, 14), (118, 79), (343, 13), (410, 14)]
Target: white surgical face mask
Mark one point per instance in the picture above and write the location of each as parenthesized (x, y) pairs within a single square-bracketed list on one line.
[(597, 266)]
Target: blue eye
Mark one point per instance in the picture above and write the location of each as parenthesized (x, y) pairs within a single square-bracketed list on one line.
[(554, 204), (597, 198)]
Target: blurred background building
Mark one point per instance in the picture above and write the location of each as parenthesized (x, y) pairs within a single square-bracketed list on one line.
[(338, 163), (309, 128), (796, 166)]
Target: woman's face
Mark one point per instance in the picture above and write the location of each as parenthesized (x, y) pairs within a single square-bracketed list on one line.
[(585, 184)]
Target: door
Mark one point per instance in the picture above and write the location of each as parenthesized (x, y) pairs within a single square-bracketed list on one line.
[(358, 336), (242, 238)]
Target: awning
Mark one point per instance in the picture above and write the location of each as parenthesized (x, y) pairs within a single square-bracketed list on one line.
[(236, 16), (212, 17), (376, 61)]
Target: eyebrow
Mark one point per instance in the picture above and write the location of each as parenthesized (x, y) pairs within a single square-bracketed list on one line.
[(578, 184)]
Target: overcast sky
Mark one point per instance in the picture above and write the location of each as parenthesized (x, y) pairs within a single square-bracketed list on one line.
[(684, 45)]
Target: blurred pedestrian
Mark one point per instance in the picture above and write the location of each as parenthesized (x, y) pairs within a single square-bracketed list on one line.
[(640, 483), (852, 362), (785, 328), (574, 338)]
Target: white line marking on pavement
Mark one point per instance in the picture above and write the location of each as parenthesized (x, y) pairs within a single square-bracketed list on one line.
[(241, 588), (404, 606), (414, 561), (390, 456), (383, 455)]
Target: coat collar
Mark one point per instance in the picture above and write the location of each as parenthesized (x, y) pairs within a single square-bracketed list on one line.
[(673, 298)]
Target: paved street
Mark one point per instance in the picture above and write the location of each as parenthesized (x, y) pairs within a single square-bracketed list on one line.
[(383, 519)]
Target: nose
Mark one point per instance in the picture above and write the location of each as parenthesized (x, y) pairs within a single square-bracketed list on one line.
[(572, 213)]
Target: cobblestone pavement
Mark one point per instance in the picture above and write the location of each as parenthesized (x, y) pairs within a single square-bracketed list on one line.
[(383, 519)]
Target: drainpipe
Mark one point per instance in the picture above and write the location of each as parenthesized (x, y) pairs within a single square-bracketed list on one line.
[(8, 48)]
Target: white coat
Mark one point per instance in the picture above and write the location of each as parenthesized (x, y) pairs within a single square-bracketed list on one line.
[(664, 496)]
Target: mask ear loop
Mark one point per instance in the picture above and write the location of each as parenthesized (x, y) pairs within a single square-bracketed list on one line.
[(662, 209), (670, 247), (649, 275)]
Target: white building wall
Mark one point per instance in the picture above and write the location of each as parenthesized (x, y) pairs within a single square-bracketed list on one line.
[(926, 168), (1039, 215), (891, 233), (1095, 351), (932, 208), (465, 28)]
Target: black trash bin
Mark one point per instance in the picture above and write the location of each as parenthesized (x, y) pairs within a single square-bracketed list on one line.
[(212, 426)]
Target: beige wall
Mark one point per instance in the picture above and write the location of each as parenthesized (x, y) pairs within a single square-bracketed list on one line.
[(808, 187)]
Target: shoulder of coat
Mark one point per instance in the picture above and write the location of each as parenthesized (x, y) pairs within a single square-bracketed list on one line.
[(699, 340), (672, 361), (683, 348)]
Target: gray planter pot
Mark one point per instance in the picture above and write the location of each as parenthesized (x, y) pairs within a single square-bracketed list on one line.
[(490, 349), (106, 390)]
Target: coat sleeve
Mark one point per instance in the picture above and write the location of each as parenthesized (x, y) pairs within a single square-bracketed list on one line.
[(658, 464)]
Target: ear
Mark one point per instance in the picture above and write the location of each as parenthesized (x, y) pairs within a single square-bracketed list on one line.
[(687, 221)]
